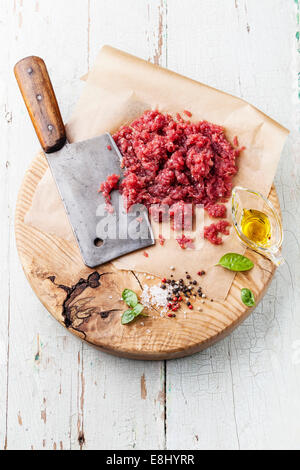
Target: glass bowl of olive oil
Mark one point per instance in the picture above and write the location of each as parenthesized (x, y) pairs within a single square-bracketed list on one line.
[(257, 223)]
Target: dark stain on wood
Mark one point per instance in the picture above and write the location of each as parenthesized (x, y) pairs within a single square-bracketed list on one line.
[(76, 312), (92, 281), (106, 313)]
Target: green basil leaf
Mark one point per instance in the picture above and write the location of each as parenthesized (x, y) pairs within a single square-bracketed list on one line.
[(235, 262), (127, 317), (130, 297), (138, 309), (247, 297)]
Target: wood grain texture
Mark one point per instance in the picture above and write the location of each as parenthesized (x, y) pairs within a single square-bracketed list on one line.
[(87, 301), (37, 91), (242, 392)]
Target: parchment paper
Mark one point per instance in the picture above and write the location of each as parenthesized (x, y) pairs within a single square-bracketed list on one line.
[(119, 88)]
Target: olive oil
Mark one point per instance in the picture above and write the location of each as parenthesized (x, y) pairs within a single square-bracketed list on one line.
[(256, 226)]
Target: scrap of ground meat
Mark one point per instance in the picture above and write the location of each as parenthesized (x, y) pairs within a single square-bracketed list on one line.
[(161, 240), (185, 242), (235, 141), (112, 182), (211, 232), (169, 161), (187, 113)]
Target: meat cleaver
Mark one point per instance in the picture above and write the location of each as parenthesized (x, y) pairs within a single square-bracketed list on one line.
[(78, 169)]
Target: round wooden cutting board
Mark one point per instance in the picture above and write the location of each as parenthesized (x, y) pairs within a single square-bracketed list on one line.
[(87, 301)]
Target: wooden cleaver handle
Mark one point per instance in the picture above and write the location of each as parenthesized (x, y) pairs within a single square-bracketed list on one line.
[(37, 91)]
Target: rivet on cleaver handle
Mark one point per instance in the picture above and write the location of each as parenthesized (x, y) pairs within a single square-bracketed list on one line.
[(37, 91)]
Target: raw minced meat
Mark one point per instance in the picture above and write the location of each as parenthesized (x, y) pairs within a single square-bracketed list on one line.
[(168, 161), (185, 242), (112, 182), (182, 216), (217, 210), (161, 240), (187, 113), (235, 141), (212, 231)]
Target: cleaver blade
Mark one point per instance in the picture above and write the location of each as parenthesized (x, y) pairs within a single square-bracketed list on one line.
[(78, 169)]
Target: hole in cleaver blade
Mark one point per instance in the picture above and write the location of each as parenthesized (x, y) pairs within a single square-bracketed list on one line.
[(78, 170)]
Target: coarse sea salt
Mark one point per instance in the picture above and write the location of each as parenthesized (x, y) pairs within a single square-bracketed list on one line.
[(155, 296)]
